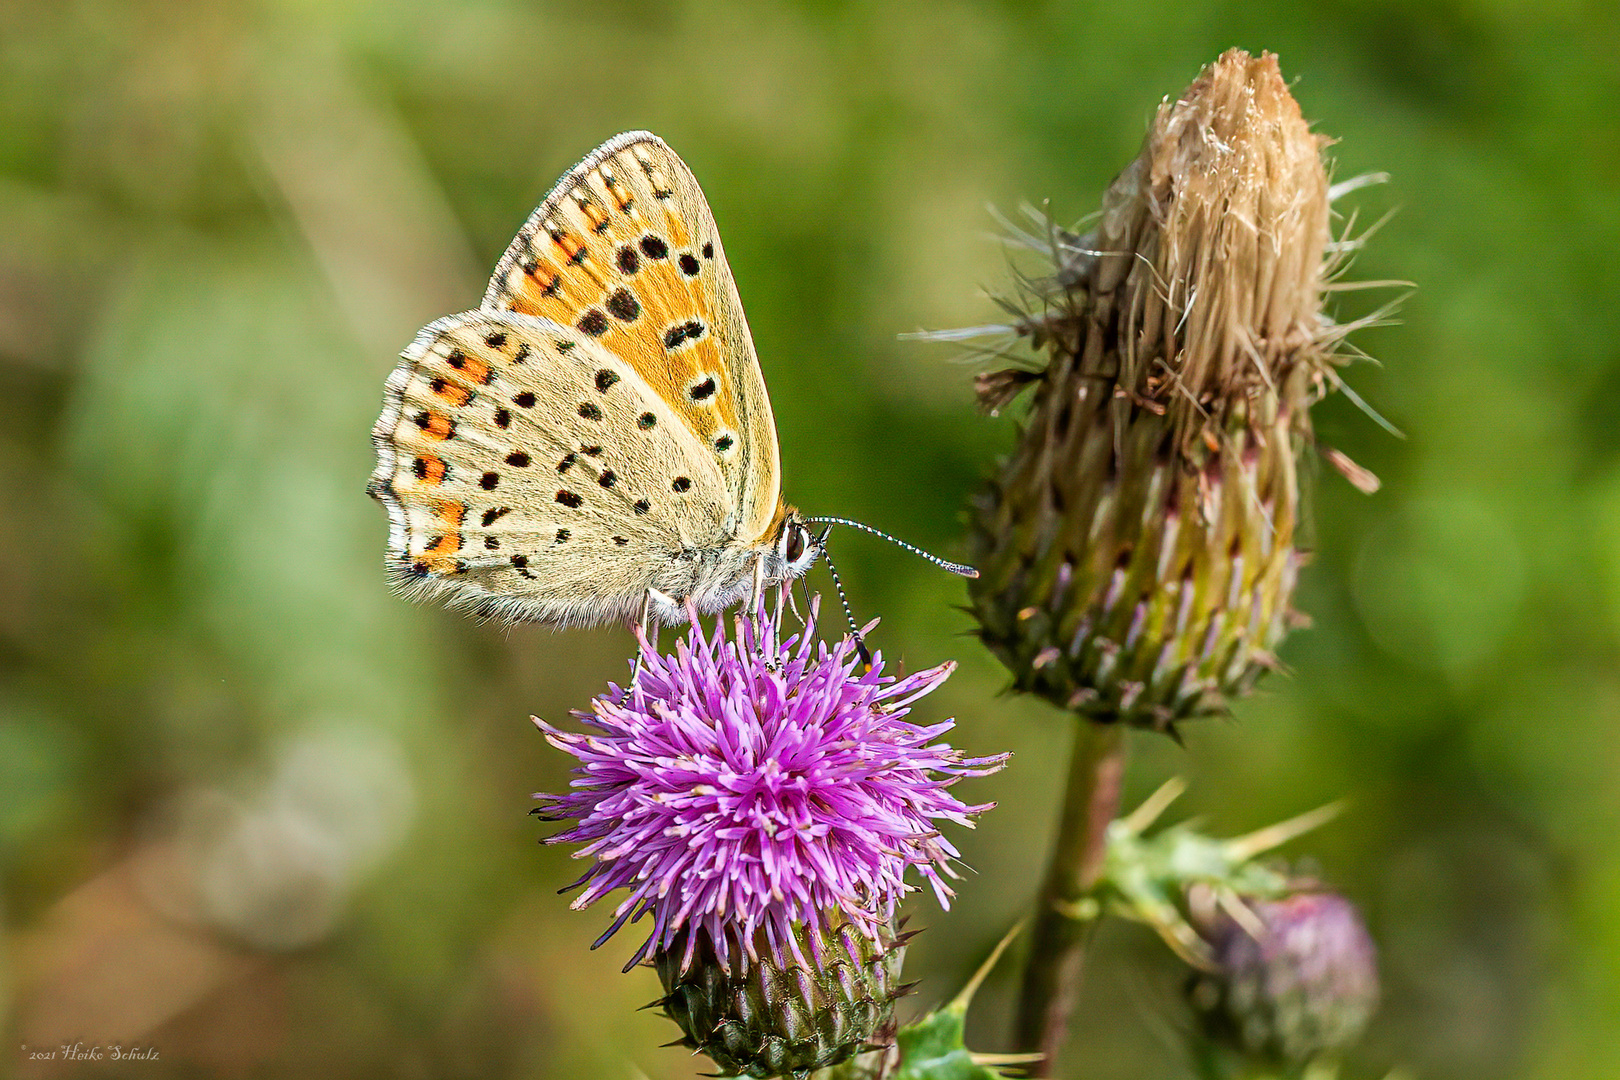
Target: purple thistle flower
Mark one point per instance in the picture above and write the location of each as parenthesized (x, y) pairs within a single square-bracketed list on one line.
[(742, 786)]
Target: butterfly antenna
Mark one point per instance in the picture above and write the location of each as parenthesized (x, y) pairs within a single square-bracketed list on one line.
[(854, 630), (944, 564)]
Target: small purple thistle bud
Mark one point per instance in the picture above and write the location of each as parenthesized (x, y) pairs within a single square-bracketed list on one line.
[(762, 799), (1304, 987)]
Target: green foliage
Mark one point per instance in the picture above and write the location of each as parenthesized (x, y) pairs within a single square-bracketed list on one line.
[(933, 1049)]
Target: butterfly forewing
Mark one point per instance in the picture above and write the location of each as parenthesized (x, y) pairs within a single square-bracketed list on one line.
[(625, 253), (531, 473)]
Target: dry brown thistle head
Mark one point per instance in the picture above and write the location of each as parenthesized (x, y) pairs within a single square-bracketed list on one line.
[(1137, 550)]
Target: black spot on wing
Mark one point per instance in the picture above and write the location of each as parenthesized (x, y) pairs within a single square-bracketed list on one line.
[(623, 305), (593, 322), (680, 334)]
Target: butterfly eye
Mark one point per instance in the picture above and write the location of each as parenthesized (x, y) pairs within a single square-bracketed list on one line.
[(795, 544)]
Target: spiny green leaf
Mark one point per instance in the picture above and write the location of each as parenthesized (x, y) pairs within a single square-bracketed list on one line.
[(934, 1048)]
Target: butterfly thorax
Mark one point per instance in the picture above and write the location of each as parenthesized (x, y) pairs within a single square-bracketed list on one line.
[(717, 578)]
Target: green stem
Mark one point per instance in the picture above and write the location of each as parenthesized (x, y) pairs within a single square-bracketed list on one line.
[(1058, 945)]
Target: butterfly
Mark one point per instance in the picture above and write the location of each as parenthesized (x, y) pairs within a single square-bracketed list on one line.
[(595, 443)]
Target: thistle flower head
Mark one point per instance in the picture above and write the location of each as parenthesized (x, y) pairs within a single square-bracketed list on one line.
[(750, 791)]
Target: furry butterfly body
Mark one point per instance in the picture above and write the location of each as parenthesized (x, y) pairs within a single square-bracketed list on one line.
[(595, 442)]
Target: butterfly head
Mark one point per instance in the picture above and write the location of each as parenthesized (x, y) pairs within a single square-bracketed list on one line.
[(796, 549)]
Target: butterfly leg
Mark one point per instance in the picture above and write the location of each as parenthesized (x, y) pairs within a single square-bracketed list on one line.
[(759, 583), (754, 605), (647, 631), (793, 604)]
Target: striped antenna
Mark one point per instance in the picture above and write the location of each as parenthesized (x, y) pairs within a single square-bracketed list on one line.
[(943, 564), (854, 630)]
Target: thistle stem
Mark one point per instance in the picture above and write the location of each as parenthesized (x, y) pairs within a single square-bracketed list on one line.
[(1057, 951)]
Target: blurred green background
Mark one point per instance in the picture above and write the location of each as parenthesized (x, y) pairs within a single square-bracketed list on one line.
[(261, 816)]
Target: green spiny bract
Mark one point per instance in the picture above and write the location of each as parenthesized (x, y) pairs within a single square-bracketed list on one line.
[(775, 1016), (1137, 551)]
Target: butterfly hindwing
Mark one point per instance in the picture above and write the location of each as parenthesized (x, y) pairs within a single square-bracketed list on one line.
[(531, 473), (625, 252)]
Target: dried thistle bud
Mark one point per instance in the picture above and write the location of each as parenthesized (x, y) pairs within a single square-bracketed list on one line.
[(1137, 550), (1298, 984)]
